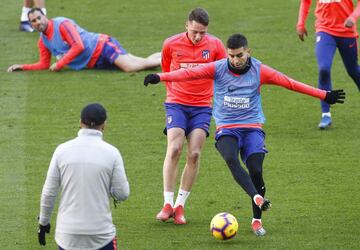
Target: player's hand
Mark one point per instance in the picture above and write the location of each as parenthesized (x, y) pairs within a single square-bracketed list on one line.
[(15, 67), (53, 68), (302, 32), (349, 22), (41, 233), (335, 96), (151, 78)]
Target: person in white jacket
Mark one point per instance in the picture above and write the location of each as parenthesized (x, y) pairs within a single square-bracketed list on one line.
[(88, 171)]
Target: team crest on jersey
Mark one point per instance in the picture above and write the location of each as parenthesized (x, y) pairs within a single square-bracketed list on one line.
[(206, 54), (169, 119)]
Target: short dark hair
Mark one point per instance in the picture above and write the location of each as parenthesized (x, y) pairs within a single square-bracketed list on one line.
[(33, 10), (236, 41), (199, 15), (93, 115)]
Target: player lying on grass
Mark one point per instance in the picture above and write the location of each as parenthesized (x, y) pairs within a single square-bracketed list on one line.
[(77, 48), (238, 113)]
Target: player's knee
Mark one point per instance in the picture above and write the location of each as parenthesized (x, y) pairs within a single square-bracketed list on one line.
[(126, 64), (128, 68), (174, 151), (230, 160), (324, 75), (194, 156)]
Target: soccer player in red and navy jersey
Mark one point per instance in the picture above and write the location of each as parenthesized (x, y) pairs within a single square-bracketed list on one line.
[(188, 108), (238, 113), (77, 48), (335, 28)]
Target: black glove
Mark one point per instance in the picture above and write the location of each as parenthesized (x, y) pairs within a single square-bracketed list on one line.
[(41, 233), (151, 78), (335, 96)]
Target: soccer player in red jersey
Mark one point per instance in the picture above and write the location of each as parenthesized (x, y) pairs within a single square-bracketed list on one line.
[(335, 28), (188, 108), (77, 48)]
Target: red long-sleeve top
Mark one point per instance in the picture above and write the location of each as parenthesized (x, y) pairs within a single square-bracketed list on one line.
[(268, 75), (331, 16)]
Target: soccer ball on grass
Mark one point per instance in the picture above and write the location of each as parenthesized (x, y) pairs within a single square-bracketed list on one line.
[(224, 226)]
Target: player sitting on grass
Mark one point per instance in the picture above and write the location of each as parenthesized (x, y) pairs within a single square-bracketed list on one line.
[(238, 113), (77, 48)]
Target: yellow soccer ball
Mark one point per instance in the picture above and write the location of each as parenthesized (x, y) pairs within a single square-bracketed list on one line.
[(224, 226)]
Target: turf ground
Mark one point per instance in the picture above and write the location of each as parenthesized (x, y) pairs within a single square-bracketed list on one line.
[(312, 176)]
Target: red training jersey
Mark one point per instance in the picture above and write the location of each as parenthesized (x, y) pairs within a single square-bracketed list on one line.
[(330, 16), (179, 52), (72, 37)]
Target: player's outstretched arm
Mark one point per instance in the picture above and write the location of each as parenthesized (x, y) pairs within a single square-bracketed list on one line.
[(335, 96), (269, 75), (15, 67), (205, 71), (151, 78)]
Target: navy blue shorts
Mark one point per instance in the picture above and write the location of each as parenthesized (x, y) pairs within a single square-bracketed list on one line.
[(111, 246), (187, 117), (110, 52), (250, 140)]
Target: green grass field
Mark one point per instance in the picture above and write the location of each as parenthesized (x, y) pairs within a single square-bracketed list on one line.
[(312, 176)]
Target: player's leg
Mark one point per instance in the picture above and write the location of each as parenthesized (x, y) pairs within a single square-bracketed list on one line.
[(253, 154), (255, 165), (175, 141), (24, 20), (156, 56), (348, 49), (195, 142), (175, 131), (197, 130), (229, 149), (325, 50), (114, 55), (131, 63)]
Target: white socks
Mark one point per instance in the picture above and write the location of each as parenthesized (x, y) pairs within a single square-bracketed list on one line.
[(24, 12), (326, 114), (169, 198), (181, 198)]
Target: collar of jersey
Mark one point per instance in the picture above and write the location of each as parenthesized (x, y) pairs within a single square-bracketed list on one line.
[(90, 132), (238, 72), (187, 40)]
